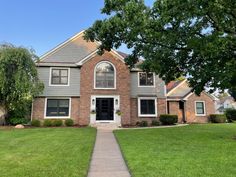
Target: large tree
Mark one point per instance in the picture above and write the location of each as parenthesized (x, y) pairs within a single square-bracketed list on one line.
[(19, 81), (193, 38)]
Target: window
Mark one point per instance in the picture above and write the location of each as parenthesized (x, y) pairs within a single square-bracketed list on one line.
[(147, 107), (59, 76), (57, 108), (146, 79), (104, 75), (200, 108)]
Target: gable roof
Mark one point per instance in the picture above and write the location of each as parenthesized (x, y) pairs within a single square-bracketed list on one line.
[(73, 52)]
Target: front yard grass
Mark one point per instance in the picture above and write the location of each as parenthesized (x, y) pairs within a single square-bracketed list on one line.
[(46, 152), (191, 151)]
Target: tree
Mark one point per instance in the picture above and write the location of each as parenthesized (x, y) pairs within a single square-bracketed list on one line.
[(191, 38), (18, 77)]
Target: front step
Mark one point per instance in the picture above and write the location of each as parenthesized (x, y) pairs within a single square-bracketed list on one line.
[(106, 125)]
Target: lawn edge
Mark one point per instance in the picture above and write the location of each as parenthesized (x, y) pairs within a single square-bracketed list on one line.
[(91, 154), (122, 153)]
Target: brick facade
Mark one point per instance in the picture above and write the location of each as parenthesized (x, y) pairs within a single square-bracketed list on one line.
[(122, 87), (161, 109), (190, 108), (39, 108)]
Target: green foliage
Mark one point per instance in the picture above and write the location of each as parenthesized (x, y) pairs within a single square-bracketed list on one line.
[(19, 81), (192, 38), (230, 114), (35, 123), (69, 122), (47, 123), (155, 123), (17, 120), (57, 123), (167, 119), (217, 118), (143, 123)]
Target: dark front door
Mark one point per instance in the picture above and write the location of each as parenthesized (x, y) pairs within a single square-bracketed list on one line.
[(104, 109)]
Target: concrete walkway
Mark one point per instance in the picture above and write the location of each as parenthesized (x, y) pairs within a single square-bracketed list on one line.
[(107, 160)]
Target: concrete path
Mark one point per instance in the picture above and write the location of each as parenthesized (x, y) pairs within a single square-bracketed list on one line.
[(107, 160)]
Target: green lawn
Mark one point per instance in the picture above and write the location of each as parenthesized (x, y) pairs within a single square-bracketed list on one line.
[(190, 151), (45, 152)]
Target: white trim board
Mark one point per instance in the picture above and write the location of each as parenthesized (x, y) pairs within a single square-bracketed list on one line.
[(139, 107), (204, 107), (58, 85), (50, 52), (168, 94), (147, 86), (94, 76), (59, 117)]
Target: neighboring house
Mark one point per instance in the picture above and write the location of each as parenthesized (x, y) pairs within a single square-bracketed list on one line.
[(89, 88), (224, 103), (188, 106), (79, 82)]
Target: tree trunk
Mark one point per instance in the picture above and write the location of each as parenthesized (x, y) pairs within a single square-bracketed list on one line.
[(3, 113)]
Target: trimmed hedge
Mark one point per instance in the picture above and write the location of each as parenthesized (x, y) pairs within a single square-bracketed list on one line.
[(217, 118), (230, 114), (57, 123), (69, 122), (35, 123), (143, 123), (47, 123), (168, 119)]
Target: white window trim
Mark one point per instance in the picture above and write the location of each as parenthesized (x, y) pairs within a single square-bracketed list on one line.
[(58, 85), (204, 107), (154, 81), (139, 107), (94, 74), (58, 117)]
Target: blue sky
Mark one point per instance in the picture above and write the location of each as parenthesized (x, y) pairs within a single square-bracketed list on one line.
[(43, 24)]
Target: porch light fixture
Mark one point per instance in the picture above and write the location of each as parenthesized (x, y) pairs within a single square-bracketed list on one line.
[(116, 101)]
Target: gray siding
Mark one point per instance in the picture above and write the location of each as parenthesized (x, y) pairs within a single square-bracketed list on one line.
[(72, 90), (158, 90)]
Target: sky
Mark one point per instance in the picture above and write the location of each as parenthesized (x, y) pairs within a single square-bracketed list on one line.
[(43, 24)]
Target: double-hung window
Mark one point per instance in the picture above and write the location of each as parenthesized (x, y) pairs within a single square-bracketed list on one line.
[(146, 79), (58, 107), (200, 108), (147, 107), (59, 76)]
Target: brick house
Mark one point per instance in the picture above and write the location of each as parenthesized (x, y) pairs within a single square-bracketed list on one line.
[(89, 88), (188, 106)]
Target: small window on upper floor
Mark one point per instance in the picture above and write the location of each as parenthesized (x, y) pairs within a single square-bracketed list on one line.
[(104, 76), (146, 79), (59, 76)]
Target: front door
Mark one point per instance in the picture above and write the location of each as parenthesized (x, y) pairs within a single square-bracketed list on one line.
[(104, 109)]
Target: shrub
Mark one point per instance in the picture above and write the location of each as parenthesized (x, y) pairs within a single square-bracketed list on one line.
[(230, 114), (155, 123), (167, 119), (143, 123), (217, 118), (57, 123), (137, 123), (47, 123), (35, 123), (69, 122), (16, 120)]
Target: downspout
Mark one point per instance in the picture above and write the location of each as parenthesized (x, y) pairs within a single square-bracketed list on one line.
[(183, 112)]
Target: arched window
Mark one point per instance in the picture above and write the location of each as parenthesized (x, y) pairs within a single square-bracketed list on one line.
[(104, 75)]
